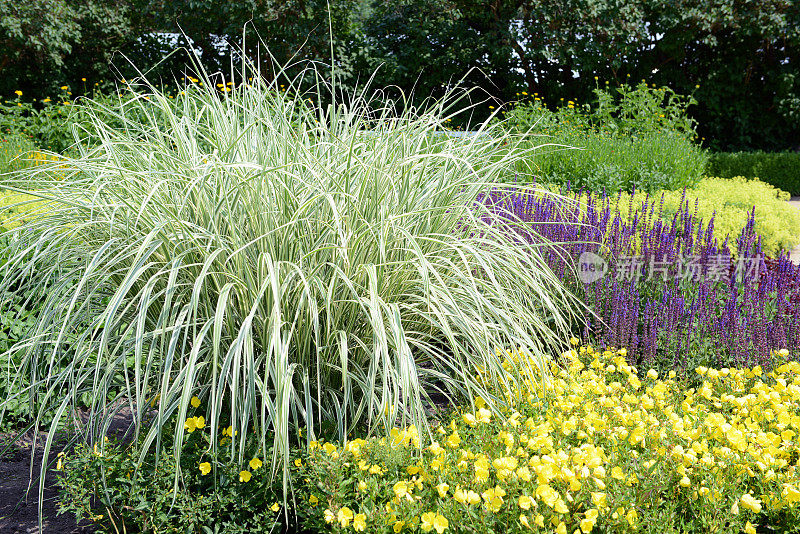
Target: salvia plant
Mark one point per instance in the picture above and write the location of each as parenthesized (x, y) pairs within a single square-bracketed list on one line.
[(291, 264), (672, 293)]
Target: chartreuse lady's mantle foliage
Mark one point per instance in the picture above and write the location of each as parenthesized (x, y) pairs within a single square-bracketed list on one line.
[(595, 449), (289, 265)]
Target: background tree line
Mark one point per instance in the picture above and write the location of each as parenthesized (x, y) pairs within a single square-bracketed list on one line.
[(739, 58)]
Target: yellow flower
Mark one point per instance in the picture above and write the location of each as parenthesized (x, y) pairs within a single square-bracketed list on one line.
[(398, 526), (195, 402), (190, 425), (599, 499), (255, 463), (46, 100), (749, 528), (18, 92), (275, 507), (200, 422), (524, 521), (494, 498), (313, 500), (432, 520), (750, 502), (329, 517), (298, 462), (205, 468), (244, 476), (64, 87), (359, 522), (442, 489), (453, 440), (344, 516), (401, 490), (525, 502)]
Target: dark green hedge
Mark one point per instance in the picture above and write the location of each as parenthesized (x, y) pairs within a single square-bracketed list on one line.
[(781, 169)]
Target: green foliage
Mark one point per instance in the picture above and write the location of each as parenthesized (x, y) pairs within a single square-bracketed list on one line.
[(737, 58), (54, 42), (46, 124), (631, 137), (780, 169), (13, 151), (107, 484)]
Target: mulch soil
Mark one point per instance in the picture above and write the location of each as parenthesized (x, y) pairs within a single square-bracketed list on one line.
[(19, 492)]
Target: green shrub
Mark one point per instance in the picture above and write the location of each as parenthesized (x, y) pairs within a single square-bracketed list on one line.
[(277, 259), (781, 169), (637, 137), (612, 162)]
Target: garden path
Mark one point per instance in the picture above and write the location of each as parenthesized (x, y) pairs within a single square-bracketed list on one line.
[(795, 253)]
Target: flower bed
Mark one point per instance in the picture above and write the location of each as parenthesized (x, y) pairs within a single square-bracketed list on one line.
[(593, 449), (729, 311)]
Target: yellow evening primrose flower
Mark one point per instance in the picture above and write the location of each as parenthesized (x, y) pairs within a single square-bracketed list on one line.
[(275, 507), (244, 476), (18, 93), (749, 528), (200, 422), (453, 440), (328, 515), (195, 402), (750, 502), (441, 489), (433, 521), (401, 490), (525, 502), (190, 425), (255, 463), (360, 522), (398, 526), (298, 462), (205, 468), (344, 516), (313, 500)]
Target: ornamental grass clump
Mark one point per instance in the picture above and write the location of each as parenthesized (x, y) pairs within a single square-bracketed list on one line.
[(289, 264)]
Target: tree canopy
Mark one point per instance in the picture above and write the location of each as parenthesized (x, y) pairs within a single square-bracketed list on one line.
[(739, 58)]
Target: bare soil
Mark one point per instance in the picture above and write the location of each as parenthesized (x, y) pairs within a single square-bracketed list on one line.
[(19, 486), (19, 491)]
